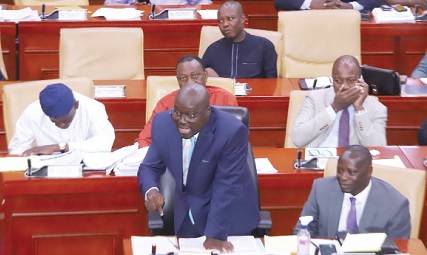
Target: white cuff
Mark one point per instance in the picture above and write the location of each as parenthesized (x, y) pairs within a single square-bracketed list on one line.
[(149, 191)]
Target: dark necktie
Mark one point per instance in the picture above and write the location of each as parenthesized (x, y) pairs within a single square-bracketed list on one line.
[(351, 218), (344, 129)]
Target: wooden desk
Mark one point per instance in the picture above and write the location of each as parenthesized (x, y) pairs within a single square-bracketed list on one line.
[(393, 46), (410, 246), (100, 210)]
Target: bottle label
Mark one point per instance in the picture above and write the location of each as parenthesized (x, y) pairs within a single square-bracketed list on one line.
[(303, 246)]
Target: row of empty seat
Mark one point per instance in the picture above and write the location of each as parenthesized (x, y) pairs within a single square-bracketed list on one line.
[(307, 44)]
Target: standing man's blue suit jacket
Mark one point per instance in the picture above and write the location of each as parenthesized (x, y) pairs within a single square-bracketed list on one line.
[(296, 4), (219, 190)]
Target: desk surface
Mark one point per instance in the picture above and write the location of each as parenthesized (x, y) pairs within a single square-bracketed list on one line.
[(410, 246), (117, 204)]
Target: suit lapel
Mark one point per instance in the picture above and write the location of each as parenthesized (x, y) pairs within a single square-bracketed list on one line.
[(203, 143), (334, 212), (370, 211)]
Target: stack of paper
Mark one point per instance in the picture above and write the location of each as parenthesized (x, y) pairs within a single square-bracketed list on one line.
[(208, 14), (129, 165), (118, 14), (370, 242), (242, 245), (26, 14), (264, 166), (393, 16), (107, 160), (319, 82)]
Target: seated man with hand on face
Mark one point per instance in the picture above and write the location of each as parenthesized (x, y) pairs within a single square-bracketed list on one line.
[(62, 120), (205, 150), (239, 54), (341, 115), (353, 201), (189, 70)]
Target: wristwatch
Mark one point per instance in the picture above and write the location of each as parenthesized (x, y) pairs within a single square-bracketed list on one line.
[(62, 146)]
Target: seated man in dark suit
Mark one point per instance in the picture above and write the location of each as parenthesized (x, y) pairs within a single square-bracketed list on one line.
[(239, 54), (205, 149), (377, 205)]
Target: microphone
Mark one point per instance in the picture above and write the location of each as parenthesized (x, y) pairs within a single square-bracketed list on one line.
[(152, 15), (29, 167), (43, 11), (299, 159)]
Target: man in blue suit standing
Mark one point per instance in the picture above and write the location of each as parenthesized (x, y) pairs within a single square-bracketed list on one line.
[(214, 195)]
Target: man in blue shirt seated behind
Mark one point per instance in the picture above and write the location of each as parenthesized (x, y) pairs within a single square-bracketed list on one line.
[(239, 54)]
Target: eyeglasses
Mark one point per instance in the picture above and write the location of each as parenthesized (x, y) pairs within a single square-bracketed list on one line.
[(184, 78), (316, 153), (189, 117)]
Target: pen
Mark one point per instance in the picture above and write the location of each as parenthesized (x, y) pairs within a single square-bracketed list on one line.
[(314, 84), (316, 252)]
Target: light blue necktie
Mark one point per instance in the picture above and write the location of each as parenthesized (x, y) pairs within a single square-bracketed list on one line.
[(190, 153)]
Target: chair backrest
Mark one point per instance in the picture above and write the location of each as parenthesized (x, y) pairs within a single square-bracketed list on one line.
[(160, 86), (210, 34), (102, 53), (17, 96), (2, 65), (51, 2), (411, 183), (296, 100), (308, 51)]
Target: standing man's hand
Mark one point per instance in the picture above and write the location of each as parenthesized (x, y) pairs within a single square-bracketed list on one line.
[(155, 201), (222, 246), (364, 89)]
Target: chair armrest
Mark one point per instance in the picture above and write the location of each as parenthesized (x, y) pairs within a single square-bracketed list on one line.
[(265, 222), (155, 221)]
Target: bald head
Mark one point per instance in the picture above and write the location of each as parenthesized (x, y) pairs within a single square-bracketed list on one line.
[(191, 110), (347, 61), (232, 4)]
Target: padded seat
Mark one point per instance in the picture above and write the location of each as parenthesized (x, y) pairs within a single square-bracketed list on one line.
[(102, 53), (313, 39)]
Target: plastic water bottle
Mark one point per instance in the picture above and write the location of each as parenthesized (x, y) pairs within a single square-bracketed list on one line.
[(303, 236), (303, 239)]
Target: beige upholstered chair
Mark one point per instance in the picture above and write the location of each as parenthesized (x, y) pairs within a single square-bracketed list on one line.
[(102, 53), (313, 39), (409, 182), (17, 96), (210, 34), (296, 99), (160, 86), (51, 2)]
